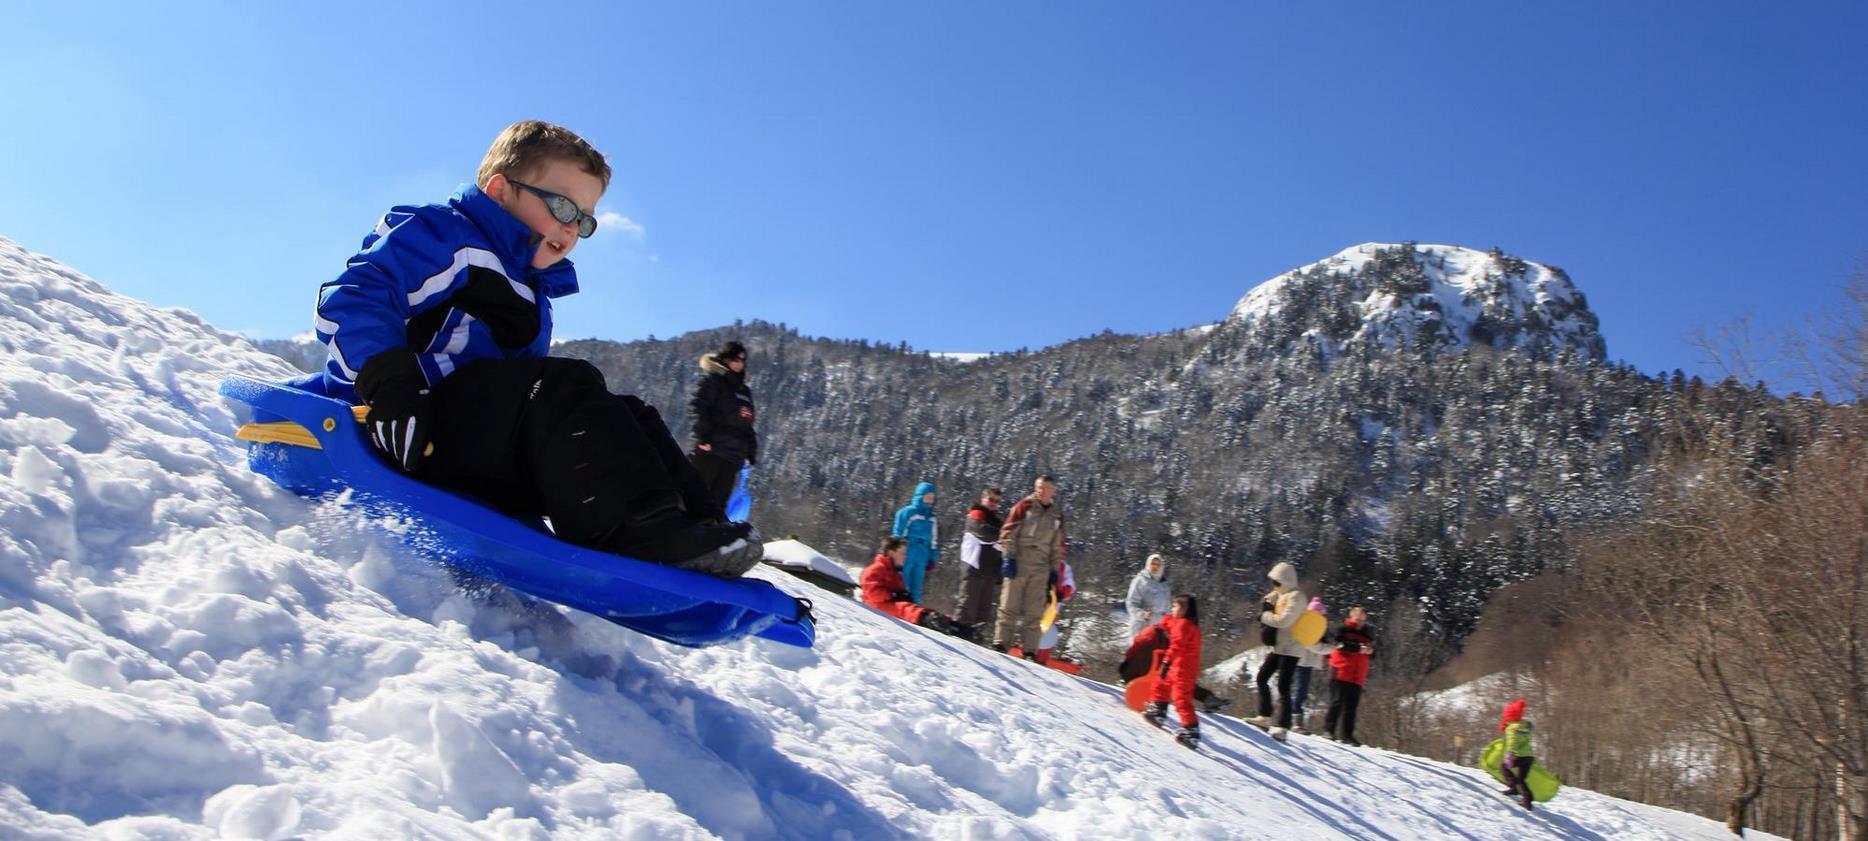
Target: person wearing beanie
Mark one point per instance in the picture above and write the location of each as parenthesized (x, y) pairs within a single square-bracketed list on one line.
[(1349, 660), (721, 415), (1312, 659), (1520, 754), (1277, 613)]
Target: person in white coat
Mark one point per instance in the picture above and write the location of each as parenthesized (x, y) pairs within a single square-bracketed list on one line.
[(1278, 612), (1149, 595)]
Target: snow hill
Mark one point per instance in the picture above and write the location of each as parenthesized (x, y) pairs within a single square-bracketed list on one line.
[(1441, 296), (187, 652)]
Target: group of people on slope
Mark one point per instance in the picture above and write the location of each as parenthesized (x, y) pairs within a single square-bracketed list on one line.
[(1348, 649), (1018, 561), (1177, 632)]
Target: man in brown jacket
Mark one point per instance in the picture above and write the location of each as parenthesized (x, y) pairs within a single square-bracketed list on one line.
[(1033, 543)]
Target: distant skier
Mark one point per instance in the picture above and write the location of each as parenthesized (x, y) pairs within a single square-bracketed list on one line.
[(1354, 644), (1148, 595), (979, 550), (1179, 670), (915, 523), (721, 415), (441, 325), (1520, 755), (884, 590), (1277, 613)]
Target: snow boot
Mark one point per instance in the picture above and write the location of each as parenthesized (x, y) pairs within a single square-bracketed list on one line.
[(671, 538), (1262, 722), (934, 621), (1155, 713), (1188, 736), (1350, 741), (1279, 733)]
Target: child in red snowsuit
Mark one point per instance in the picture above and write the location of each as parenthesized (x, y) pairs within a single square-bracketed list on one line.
[(1179, 670), (885, 590)]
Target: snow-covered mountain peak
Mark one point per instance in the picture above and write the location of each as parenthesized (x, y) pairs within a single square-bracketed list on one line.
[(1429, 297)]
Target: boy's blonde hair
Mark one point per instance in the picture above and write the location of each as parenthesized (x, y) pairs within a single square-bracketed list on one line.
[(528, 144)]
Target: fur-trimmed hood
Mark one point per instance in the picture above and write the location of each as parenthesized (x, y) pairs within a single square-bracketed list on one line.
[(710, 363)]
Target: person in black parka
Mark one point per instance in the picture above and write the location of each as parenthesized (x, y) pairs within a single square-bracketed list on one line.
[(721, 411)]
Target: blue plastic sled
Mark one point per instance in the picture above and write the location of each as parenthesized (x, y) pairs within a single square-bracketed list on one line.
[(311, 444)]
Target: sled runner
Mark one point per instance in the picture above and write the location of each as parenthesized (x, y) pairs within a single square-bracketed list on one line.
[(313, 445)]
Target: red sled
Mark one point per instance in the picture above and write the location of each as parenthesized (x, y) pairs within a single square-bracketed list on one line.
[(1139, 690), (1069, 667)]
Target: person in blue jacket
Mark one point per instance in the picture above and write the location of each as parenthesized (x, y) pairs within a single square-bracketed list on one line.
[(915, 523), (441, 325)]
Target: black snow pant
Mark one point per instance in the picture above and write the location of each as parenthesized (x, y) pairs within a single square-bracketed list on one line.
[(1516, 772), (977, 593), (719, 473), (1344, 698), (545, 436), (1285, 667)]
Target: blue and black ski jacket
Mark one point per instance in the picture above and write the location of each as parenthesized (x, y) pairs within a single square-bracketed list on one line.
[(451, 282)]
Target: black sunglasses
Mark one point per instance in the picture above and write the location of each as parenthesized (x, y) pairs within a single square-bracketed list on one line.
[(562, 209)]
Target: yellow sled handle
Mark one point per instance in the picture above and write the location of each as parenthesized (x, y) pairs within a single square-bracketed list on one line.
[(287, 432)]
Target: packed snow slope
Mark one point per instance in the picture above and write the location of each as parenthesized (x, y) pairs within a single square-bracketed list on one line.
[(188, 652)]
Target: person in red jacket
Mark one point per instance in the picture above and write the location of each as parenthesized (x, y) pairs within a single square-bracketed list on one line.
[(884, 589), (1179, 670), (1355, 641)]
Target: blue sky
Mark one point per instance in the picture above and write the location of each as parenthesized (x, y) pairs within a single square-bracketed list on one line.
[(961, 176)]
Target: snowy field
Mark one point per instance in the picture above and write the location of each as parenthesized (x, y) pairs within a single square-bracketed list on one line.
[(187, 652)]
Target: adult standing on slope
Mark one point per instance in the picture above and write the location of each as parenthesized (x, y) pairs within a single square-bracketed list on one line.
[(979, 550), (721, 414), (915, 524), (1277, 614), (1148, 595), (1033, 542)]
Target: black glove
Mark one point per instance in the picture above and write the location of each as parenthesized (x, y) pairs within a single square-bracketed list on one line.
[(901, 596), (401, 415)]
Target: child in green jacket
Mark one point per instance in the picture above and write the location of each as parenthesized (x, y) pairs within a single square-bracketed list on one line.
[(1519, 752)]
